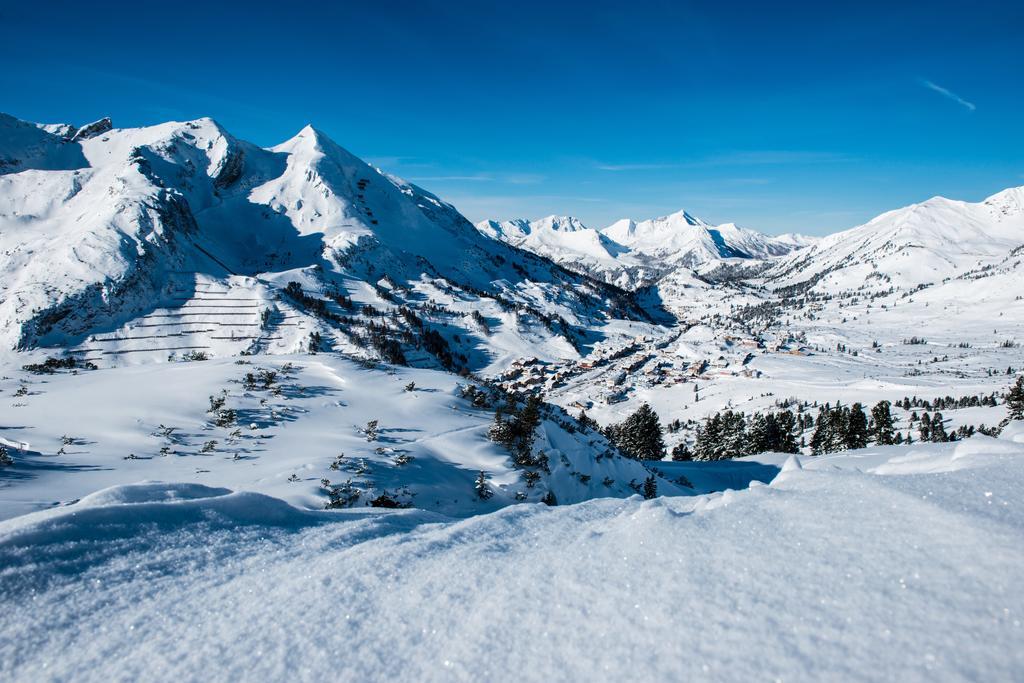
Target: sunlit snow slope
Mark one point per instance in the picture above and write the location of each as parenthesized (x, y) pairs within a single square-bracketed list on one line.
[(903, 565)]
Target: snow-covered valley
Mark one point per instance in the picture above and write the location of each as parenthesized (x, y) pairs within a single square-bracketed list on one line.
[(275, 413)]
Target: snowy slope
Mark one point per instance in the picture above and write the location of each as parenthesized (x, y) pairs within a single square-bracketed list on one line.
[(555, 237), (904, 569), (919, 244), (284, 437), (25, 146), (145, 215)]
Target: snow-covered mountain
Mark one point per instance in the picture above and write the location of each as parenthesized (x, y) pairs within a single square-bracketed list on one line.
[(566, 240), (273, 450), (921, 244), (632, 254), (683, 239), (555, 237), (109, 231)]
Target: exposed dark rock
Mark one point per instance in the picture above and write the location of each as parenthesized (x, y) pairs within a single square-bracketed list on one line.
[(91, 130)]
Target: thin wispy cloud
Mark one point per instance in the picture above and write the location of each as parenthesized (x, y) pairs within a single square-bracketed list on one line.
[(457, 178), (776, 157), (391, 161), (948, 94), (507, 178), (616, 168), (769, 157), (523, 178)]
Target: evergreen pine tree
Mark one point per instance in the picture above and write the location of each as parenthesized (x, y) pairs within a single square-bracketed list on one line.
[(681, 453), (857, 427), (529, 417), (501, 431), (586, 421), (371, 430), (840, 421), (611, 432), (1015, 400), (788, 431), (881, 424), (640, 435), (938, 429), (734, 437), (709, 439), (758, 437), (483, 491), (773, 433), (822, 428), (650, 487), (924, 429), (524, 427)]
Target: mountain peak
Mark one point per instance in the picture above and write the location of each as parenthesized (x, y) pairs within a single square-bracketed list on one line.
[(560, 223), (682, 216), (920, 243), (1009, 202), (309, 137)]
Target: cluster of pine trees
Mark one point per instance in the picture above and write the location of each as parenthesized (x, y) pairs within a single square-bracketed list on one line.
[(841, 428), (730, 434), (639, 435), (932, 428), (516, 429), (837, 428), (948, 402)]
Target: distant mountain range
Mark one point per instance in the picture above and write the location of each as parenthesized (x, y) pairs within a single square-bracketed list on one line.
[(923, 243), (111, 240), (630, 253)]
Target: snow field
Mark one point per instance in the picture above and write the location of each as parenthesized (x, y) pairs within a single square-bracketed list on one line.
[(827, 574), (432, 443)]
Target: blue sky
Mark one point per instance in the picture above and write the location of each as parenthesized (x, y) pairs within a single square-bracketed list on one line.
[(784, 116)]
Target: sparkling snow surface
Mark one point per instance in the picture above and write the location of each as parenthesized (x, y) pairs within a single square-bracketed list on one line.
[(900, 563)]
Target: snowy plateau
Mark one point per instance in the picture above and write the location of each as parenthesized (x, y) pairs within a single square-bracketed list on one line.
[(275, 414)]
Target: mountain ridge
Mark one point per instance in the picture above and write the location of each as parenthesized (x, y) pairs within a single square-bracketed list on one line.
[(143, 212), (634, 254)]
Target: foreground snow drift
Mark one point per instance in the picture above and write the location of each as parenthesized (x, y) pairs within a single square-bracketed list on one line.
[(829, 573)]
